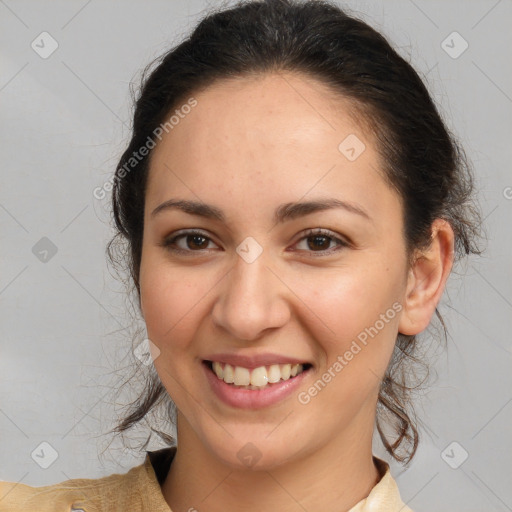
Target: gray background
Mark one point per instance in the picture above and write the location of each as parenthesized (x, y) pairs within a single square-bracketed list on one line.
[(65, 335)]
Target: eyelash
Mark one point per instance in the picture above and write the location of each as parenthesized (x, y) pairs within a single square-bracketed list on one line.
[(167, 243)]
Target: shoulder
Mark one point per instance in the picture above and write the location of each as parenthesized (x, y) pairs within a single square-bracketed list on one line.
[(385, 496), (109, 493)]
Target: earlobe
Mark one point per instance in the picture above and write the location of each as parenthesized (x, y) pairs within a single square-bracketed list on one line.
[(426, 279)]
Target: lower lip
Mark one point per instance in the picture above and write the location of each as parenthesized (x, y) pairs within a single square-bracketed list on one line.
[(253, 398)]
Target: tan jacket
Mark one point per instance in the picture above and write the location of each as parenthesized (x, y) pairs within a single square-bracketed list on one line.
[(139, 490)]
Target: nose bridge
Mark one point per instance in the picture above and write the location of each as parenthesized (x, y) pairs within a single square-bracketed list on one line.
[(250, 300)]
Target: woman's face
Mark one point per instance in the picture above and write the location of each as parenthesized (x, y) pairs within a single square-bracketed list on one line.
[(255, 289)]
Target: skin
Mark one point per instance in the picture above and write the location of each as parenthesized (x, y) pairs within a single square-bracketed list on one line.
[(248, 146)]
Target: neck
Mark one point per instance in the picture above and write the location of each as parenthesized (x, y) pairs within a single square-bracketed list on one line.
[(323, 481)]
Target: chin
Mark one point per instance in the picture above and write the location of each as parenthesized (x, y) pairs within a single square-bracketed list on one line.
[(258, 452)]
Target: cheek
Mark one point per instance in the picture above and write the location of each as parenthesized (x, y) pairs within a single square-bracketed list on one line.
[(365, 325), (359, 307), (171, 300), (350, 300)]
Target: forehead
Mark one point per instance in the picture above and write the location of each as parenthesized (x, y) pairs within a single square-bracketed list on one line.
[(276, 137)]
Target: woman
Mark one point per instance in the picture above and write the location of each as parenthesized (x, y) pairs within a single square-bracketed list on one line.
[(293, 205)]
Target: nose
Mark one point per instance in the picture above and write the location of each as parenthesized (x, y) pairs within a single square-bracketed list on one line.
[(251, 300)]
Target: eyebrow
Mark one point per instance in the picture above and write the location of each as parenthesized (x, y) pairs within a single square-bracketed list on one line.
[(283, 213)]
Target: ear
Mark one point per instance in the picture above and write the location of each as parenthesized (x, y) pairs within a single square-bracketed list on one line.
[(427, 278)]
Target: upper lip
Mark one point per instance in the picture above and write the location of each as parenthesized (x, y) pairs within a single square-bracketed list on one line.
[(255, 360)]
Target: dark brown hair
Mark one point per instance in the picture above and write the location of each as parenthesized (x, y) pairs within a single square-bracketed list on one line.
[(420, 158)]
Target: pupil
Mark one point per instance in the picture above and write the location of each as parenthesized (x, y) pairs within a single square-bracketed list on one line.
[(319, 239), (195, 239)]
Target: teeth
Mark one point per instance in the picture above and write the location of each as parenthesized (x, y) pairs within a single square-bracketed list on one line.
[(242, 376), (258, 378), (229, 374), (286, 371), (274, 373)]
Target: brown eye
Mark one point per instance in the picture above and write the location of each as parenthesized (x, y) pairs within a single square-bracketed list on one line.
[(187, 242), (320, 241), (196, 241)]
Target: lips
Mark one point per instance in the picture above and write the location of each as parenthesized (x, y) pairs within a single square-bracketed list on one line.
[(254, 381), (254, 397), (254, 361), (255, 378)]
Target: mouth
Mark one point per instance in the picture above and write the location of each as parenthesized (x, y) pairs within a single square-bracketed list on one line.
[(256, 379)]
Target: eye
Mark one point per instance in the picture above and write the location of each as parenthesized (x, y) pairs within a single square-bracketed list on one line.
[(191, 241), (318, 241)]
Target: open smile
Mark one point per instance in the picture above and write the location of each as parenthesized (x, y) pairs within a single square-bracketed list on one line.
[(262, 386)]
